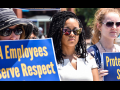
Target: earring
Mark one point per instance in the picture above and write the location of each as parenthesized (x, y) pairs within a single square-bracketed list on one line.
[(99, 34), (99, 37)]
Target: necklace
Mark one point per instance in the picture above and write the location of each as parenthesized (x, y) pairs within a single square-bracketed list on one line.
[(102, 46)]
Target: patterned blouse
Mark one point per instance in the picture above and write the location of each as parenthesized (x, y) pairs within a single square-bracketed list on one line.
[(94, 51)]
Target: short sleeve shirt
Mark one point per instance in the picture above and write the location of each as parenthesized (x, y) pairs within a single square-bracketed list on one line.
[(83, 72)]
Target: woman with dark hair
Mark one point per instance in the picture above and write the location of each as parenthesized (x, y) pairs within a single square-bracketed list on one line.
[(67, 33)]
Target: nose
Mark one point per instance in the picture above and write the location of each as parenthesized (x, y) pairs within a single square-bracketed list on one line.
[(114, 26), (13, 36), (72, 33)]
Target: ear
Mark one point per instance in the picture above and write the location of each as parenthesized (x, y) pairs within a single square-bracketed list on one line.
[(98, 26)]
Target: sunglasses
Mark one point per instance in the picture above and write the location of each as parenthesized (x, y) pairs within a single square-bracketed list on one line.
[(8, 32), (76, 31), (110, 24)]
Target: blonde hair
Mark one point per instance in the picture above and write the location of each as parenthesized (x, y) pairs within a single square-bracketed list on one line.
[(98, 18)]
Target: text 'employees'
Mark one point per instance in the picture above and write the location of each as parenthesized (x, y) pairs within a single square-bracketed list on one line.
[(12, 53)]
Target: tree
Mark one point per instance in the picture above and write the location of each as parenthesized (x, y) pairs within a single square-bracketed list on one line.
[(88, 13)]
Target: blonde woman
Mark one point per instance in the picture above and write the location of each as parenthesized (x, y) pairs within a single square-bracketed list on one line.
[(106, 28)]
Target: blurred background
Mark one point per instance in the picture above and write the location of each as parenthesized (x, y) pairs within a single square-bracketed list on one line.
[(42, 19)]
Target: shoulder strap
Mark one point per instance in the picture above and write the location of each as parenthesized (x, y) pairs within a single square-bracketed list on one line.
[(94, 51)]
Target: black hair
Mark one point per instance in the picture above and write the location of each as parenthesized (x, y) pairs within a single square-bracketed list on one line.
[(58, 21), (35, 30)]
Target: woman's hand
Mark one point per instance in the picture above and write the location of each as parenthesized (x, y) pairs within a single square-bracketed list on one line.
[(102, 73)]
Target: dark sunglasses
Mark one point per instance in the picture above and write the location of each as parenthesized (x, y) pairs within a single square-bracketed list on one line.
[(8, 32), (110, 24), (76, 31)]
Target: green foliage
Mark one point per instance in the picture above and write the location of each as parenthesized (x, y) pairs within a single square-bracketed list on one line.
[(88, 13)]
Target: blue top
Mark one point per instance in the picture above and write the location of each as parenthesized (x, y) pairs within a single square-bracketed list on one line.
[(94, 51)]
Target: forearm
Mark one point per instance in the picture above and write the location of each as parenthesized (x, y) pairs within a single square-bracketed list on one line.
[(95, 74)]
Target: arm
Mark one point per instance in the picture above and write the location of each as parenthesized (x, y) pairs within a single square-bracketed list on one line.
[(95, 74), (94, 68)]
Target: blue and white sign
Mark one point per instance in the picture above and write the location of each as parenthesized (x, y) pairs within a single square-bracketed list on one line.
[(112, 64), (28, 60)]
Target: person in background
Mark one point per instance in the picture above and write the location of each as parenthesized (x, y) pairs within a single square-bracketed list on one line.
[(40, 32), (67, 33), (106, 28), (34, 34), (13, 28)]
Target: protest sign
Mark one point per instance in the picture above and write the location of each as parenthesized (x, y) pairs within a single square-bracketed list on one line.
[(112, 64), (39, 9), (28, 60)]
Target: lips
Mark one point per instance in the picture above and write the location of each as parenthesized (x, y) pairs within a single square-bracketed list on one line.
[(113, 32), (71, 39)]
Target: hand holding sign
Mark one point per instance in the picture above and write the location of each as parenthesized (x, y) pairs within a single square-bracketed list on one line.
[(102, 73), (112, 64)]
